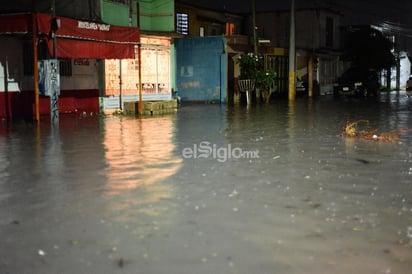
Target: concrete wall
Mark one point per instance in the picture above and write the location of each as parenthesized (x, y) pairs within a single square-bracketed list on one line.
[(118, 14), (157, 15), (201, 69), (310, 28)]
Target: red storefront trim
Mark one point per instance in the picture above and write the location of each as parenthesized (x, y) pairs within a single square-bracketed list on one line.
[(77, 38)]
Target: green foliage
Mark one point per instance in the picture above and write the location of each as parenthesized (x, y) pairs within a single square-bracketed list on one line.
[(250, 64), (264, 79), (252, 67)]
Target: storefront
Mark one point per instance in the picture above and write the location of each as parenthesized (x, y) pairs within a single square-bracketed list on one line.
[(78, 44), (122, 76)]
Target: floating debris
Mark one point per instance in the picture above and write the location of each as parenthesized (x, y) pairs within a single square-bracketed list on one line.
[(41, 252), (234, 193), (359, 129), (73, 242), (315, 205), (120, 262), (387, 251), (351, 130), (363, 161), (358, 228)]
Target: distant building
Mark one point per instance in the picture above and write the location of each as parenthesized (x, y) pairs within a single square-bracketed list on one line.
[(205, 64), (404, 72), (317, 42)]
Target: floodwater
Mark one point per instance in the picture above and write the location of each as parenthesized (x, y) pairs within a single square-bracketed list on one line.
[(210, 189)]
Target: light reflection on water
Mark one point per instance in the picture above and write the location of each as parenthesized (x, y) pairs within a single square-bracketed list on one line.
[(138, 152), (103, 188)]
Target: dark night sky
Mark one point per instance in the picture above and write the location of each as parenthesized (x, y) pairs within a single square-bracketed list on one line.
[(395, 15), (355, 11)]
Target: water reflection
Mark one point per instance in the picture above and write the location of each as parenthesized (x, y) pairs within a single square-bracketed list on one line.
[(140, 153), (292, 119), (117, 187)]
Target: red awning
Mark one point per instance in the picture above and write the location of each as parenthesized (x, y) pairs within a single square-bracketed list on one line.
[(15, 23), (78, 38), (85, 39)]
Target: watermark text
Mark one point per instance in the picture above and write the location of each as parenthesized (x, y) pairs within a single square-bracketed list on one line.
[(206, 149)]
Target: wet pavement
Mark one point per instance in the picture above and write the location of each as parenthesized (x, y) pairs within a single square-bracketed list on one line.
[(210, 189)]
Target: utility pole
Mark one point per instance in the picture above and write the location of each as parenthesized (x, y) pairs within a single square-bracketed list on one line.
[(255, 48), (120, 85), (398, 63), (55, 72), (54, 28), (292, 55), (310, 76), (35, 68), (139, 54)]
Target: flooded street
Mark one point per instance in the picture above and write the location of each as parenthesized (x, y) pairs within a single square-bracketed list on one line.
[(210, 189)]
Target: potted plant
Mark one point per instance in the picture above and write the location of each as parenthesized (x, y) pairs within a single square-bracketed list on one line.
[(253, 76), (265, 83), (249, 66)]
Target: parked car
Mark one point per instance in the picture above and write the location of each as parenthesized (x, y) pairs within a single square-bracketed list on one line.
[(357, 82), (409, 86)]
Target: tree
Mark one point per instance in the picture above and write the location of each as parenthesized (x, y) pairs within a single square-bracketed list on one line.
[(366, 47)]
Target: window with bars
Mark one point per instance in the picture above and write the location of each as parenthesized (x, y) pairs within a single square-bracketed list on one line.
[(65, 67), (182, 23), (230, 28)]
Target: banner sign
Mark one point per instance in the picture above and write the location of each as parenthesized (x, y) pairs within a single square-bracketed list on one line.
[(49, 77)]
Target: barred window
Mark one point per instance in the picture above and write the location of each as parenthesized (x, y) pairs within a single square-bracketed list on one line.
[(230, 28), (182, 23), (65, 67)]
